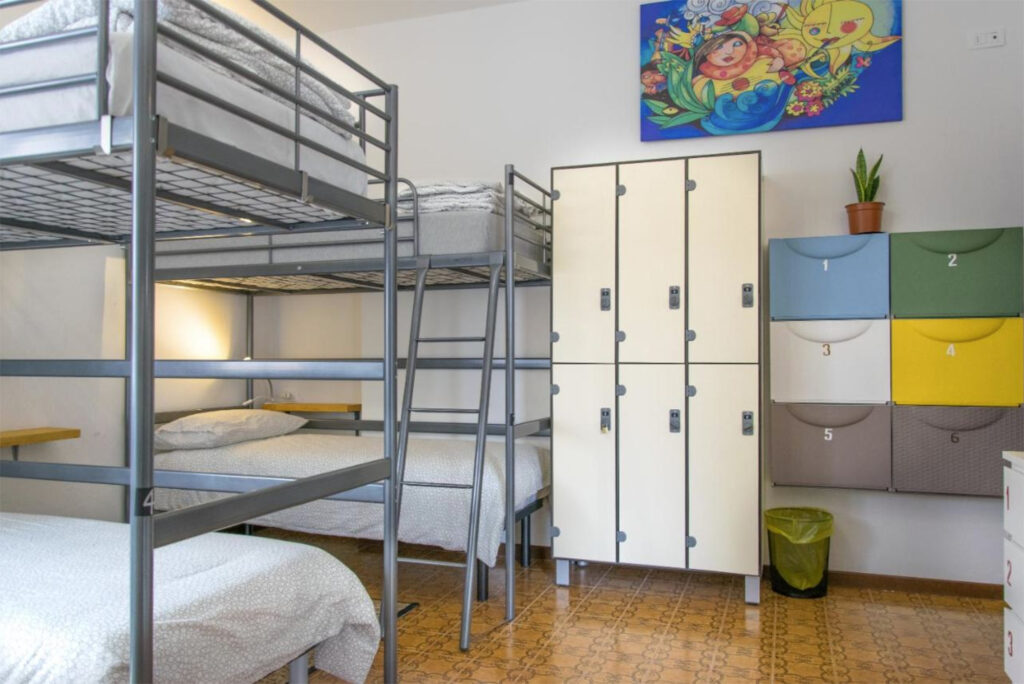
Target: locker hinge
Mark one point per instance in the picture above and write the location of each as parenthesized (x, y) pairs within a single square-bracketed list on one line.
[(555, 532), (691, 391), (620, 390), (620, 536), (691, 542), (691, 185), (554, 337), (748, 422), (555, 194), (691, 335), (555, 389), (620, 190), (620, 335), (748, 295)]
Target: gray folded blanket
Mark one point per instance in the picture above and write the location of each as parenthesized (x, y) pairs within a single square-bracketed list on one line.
[(456, 196)]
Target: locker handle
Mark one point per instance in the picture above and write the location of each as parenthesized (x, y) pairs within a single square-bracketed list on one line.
[(606, 299), (674, 422), (748, 422), (673, 296), (606, 420), (747, 291)]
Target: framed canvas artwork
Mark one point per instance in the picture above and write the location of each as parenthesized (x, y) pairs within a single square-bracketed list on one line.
[(721, 67)]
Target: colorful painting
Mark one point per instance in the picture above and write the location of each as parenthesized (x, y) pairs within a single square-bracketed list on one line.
[(720, 67)]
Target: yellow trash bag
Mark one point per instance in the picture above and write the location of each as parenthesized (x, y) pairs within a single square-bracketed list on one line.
[(798, 542)]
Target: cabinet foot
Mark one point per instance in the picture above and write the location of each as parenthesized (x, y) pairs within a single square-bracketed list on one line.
[(562, 572), (752, 589)]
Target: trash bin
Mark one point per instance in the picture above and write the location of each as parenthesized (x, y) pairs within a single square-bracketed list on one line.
[(798, 541)]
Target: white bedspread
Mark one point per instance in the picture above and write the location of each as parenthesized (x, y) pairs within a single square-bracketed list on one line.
[(432, 516), (227, 608)]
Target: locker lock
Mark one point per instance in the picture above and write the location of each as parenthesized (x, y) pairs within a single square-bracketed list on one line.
[(606, 420), (748, 422), (748, 295), (606, 299), (673, 296), (674, 420)]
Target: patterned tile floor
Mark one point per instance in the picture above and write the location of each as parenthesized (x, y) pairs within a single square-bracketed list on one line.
[(622, 624)]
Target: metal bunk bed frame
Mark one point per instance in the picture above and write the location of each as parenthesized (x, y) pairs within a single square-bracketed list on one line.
[(38, 148)]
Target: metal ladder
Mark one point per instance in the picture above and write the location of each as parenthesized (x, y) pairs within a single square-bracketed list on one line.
[(470, 564)]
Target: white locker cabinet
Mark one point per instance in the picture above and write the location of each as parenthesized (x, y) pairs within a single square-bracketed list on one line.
[(652, 465), (1013, 653), (1013, 501), (583, 265), (583, 461), (724, 427), (833, 362), (724, 256), (1013, 576), (652, 262)]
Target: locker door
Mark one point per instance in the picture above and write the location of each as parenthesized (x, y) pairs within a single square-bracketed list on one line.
[(583, 462), (652, 259), (583, 265), (652, 465), (1013, 504), (723, 258), (1013, 575), (1013, 654), (724, 480)]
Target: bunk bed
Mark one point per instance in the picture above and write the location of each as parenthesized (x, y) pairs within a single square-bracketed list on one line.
[(271, 165)]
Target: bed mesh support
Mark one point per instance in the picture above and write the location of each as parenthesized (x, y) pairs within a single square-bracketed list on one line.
[(473, 572)]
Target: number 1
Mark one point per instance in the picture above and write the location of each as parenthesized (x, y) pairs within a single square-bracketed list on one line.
[(824, 263)]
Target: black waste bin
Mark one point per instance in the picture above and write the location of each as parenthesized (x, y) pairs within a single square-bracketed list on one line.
[(798, 543)]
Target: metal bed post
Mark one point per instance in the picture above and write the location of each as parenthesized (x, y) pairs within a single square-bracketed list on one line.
[(389, 584), (250, 343), (102, 52), (510, 395), (141, 362)]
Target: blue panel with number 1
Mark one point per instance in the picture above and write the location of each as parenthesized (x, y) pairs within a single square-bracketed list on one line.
[(845, 276)]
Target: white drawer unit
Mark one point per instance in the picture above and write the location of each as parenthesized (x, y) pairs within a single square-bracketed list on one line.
[(1013, 565), (656, 322)]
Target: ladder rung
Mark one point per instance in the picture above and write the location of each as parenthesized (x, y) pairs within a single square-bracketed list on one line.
[(444, 410), (443, 485), (451, 339), (428, 561)]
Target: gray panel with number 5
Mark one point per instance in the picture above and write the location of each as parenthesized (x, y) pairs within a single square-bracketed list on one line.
[(953, 450), (831, 445)]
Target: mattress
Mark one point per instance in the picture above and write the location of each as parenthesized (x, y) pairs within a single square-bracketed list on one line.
[(431, 516), (227, 608), (449, 232), (78, 103)]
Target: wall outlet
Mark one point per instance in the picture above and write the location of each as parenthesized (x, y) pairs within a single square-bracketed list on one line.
[(986, 38)]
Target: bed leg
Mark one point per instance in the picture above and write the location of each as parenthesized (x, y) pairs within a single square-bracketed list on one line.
[(752, 589), (483, 583), (524, 543), (246, 529), (298, 670), (562, 572)]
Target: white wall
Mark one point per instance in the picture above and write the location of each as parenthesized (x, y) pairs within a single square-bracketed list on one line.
[(69, 303), (545, 83)]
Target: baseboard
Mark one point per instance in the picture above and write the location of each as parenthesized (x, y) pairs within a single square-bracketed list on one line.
[(916, 585)]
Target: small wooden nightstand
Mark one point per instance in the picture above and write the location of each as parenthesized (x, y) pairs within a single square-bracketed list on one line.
[(316, 407), (16, 438)]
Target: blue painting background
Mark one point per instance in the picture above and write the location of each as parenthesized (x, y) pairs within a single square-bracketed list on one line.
[(879, 96)]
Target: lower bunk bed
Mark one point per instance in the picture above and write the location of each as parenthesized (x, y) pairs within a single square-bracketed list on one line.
[(226, 607), (431, 516)]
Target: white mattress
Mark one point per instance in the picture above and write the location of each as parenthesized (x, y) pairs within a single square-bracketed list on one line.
[(227, 608), (78, 103), (432, 516)]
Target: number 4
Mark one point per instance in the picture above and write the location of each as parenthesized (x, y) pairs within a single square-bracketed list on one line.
[(951, 350)]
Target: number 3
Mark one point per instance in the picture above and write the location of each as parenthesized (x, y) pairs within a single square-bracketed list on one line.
[(826, 350)]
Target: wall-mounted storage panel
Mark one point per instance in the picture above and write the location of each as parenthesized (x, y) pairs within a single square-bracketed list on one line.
[(724, 429), (957, 273), (833, 362), (652, 464), (829, 277), (723, 258), (1013, 575), (958, 362), (953, 450), (831, 445), (652, 262), (583, 461), (1013, 504), (583, 265)]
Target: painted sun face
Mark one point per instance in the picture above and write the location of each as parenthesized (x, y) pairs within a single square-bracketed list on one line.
[(728, 53), (837, 24)]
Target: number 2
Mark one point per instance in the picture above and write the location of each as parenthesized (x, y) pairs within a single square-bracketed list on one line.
[(951, 350), (952, 260), (828, 434), (826, 350)]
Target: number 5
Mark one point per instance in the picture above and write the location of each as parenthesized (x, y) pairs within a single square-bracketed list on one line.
[(828, 434)]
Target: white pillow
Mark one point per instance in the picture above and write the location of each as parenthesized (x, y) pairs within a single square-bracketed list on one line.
[(219, 428)]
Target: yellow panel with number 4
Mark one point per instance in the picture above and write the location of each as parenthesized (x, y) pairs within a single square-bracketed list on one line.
[(958, 362)]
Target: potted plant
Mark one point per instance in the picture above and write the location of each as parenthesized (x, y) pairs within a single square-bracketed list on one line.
[(866, 214)]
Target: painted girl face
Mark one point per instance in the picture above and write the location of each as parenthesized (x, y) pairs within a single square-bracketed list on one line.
[(729, 52)]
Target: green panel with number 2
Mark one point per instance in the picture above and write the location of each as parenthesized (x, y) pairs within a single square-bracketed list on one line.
[(957, 273)]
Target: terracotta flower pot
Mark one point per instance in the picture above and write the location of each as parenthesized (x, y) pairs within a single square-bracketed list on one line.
[(865, 217)]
